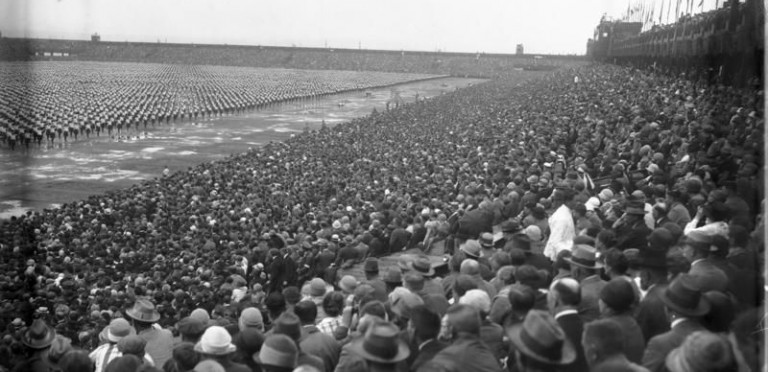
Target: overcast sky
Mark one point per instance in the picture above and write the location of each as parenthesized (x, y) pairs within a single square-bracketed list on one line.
[(492, 26)]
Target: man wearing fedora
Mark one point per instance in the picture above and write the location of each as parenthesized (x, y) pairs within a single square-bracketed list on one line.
[(37, 339), (697, 247), (685, 306), (371, 269), (631, 229), (159, 341), (540, 344), (290, 325), (382, 347), (652, 261), (584, 268), (466, 352), (423, 266)]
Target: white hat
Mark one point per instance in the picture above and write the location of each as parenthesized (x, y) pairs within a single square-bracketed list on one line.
[(215, 341)]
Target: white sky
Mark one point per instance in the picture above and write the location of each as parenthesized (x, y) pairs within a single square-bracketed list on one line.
[(492, 26)]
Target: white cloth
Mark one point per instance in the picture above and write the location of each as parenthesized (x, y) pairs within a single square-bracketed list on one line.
[(714, 228), (562, 232)]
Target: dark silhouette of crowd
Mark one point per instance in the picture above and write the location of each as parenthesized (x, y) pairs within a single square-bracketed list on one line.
[(80, 100), (611, 222)]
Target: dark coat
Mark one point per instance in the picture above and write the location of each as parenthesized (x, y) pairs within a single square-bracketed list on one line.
[(469, 354), (634, 343), (633, 237), (660, 346), (573, 327), (651, 314), (426, 353), (321, 345), (589, 309)]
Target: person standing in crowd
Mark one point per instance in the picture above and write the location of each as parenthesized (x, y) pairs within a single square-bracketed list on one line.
[(144, 316), (540, 344), (584, 269), (603, 343), (561, 226), (466, 352), (685, 307), (563, 301)]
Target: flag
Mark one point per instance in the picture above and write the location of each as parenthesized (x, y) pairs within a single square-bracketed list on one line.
[(661, 11)]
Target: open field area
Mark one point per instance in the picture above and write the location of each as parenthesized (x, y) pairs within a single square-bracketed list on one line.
[(57, 172), (55, 101)]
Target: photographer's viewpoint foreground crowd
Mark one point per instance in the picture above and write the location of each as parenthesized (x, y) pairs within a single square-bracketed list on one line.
[(597, 219)]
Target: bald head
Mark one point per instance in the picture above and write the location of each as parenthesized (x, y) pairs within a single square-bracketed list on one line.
[(566, 291), (470, 267)]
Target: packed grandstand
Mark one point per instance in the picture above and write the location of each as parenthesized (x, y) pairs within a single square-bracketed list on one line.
[(596, 218)]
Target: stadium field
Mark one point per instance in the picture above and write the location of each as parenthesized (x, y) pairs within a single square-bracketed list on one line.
[(59, 172)]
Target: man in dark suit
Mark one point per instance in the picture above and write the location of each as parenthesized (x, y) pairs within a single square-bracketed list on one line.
[(584, 268), (604, 347), (563, 301), (276, 271), (685, 306), (697, 248), (651, 313), (425, 325)]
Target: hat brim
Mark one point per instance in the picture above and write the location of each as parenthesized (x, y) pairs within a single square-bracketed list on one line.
[(472, 255), (567, 352), (40, 344), (701, 308), (403, 351), (109, 336), (597, 264), (429, 272), (231, 348), (132, 313)]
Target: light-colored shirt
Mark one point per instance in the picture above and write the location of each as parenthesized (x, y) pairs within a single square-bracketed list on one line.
[(105, 353), (562, 232)]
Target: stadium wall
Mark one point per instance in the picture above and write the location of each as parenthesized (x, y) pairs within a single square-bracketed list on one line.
[(724, 45), (439, 63)]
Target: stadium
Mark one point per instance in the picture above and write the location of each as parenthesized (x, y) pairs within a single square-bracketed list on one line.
[(220, 207)]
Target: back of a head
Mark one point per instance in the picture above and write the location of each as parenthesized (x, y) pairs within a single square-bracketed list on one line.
[(333, 303), (528, 275), (425, 322), (123, 363), (464, 318), (617, 261), (603, 336), (76, 361), (522, 299), (185, 356), (463, 284), (567, 290), (209, 365), (306, 311), (375, 308), (470, 267)]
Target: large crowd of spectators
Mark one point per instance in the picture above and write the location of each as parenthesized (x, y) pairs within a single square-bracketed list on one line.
[(598, 219), (47, 102)]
